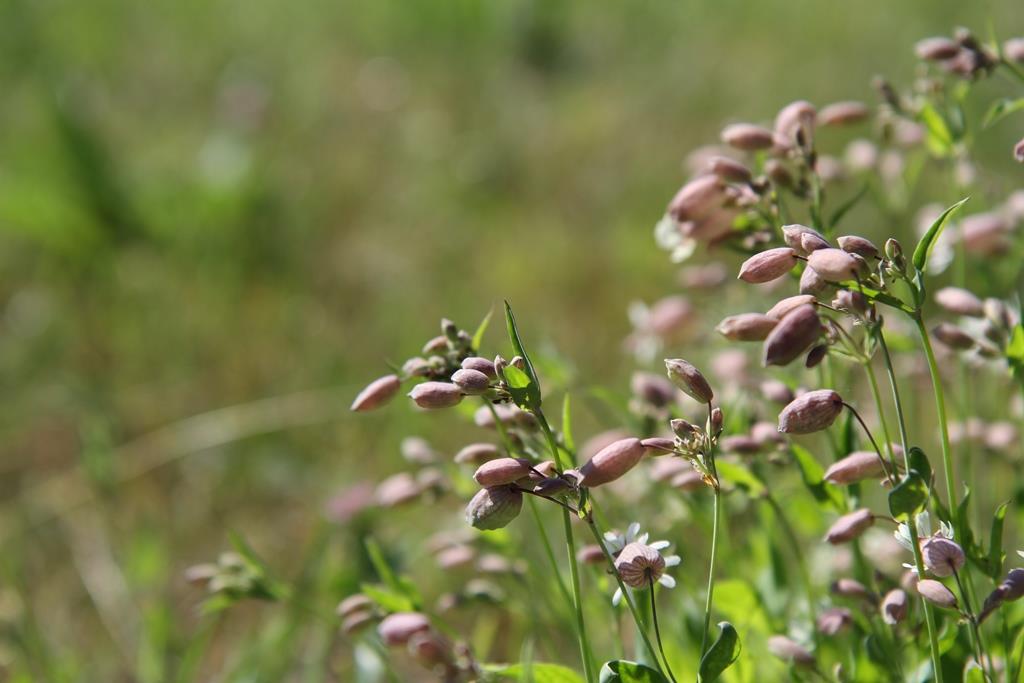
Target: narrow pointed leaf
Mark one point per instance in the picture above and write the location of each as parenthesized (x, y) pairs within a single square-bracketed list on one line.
[(924, 247), (722, 653)]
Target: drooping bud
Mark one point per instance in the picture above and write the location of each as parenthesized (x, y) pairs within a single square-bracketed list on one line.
[(480, 365), (936, 49), (857, 466), (812, 241), (688, 378), (960, 302), (377, 393), (936, 593), (776, 391), (810, 412), (717, 420), (696, 198), (746, 327), (747, 136), (501, 471), (356, 622), (438, 344), (652, 389), (816, 355), (397, 489), (793, 117), (435, 395), (811, 283), (590, 554), (778, 173), (639, 565), (729, 170), (518, 362), (768, 265), (797, 331), (952, 336), (416, 367), (611, 462), (790, 651), (780, 309), (472, 382), (942, 557), (858, 245), (850, 526), (476, 453), (683, 429), (793, 236), (834, 265), (398, 628), (842, 113), (850, 588), (494, 508), (659, 445), (740, 444), (499, 365), (834, 620), (417, 450), (894, 606)]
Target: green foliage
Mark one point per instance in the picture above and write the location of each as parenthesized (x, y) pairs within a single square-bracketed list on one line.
[(621, 671), (721, 655), (909, 496), (537, 672), (927, 242)]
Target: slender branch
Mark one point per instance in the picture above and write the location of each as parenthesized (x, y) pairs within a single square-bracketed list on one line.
[(657, 633), (878, 451)]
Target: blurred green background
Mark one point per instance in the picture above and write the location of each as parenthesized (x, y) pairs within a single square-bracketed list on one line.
[(206, 204)]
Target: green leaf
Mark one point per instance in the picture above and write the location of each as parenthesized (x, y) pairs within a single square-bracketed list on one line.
[(919, 461), (812, 473), (940, 138), (740, 476), (517, 344), (1015, 351), (909, 496), (1000, 109), (845, 207), (567, 437), (389, 600), (394, 583), (924, 247), (621, 671), (478, 336), (995, 543), (538, 672), (521, 387), (722, 653)]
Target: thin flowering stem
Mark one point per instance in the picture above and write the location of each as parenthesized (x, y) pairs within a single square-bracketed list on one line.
[(711, 568), (565, 506), (972, 620), (885, 466), (929, 615), (657, 632), (599, 538)]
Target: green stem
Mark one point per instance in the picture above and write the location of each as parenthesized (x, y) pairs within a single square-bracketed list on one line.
[(549, 551), (877, 396), (973, 632), (711, 570), (929, 616), (657, 633), (940, 408)]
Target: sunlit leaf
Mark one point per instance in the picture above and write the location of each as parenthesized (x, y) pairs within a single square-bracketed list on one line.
[(722, 653), (924, 247), (621, 671)]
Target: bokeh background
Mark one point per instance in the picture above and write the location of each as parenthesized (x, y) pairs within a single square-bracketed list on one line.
[(208, 206)]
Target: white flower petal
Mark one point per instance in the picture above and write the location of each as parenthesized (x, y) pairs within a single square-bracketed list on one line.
[(667, 581), (632, 531), (660, 545), (617, 598), (672, 560)]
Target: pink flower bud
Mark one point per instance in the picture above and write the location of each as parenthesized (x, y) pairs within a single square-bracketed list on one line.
[(590, 554), (664, 469), (1013, 50), (729, 170), (747, 137), (696, 198), (435, 395), (740, 444), (398, 628), (377, 393), (842, 113), (476, 453), (438, 344), (480, 365), (960, 302), (778, 173), (508, 414), (790, 651), (780, 309), (1018, 151), (653, 389), (768, 265), (834, 620), (858, 245), (670, 318), (984, 233), (850, 588), (501, 471), (639, 565), (746, 327), (797, 331), (356, 622), (612, 462), (811, 283), (857, 466), (810, 412), (936, 49), (942, 557), (894, 606), (793, 235), (688, 378), (794, 116), (1013, 585), (936, 593), (494, 508), (953, 337), (455, 556), (810, 241), (850, 526), (833, 265), (353, 603), (397, 489), (776, 391), (658, 445), (471, 382)]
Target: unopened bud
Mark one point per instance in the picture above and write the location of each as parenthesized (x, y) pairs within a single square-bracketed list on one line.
[(790, 651), (518, 363), (857, 466), (398, 628), (811, 241), (377, 393), (850, 301), (438, 344), (501, 471), (850, 588), (850, 526), (472, 382), (590, 554), (776, 391), (696, 198), (476, 453), (843, 113), (816, 355), (747, 137), (449, 329), (688, 378), (936, 49), (834, 265), (746, 327), (894, 252), (611, 462), (416, 367), (793, 236), (960, 302), (780, 309), (936, 593), (494, 508), (652, 389), (499, 365), (778, 173), (659, 445), (1018, 151), (810, 412), (811, 283), (952, 336), (858, 245), (894, 606), (1013, 585), (717, 420), (354, 623), (683, 429), (832, 621), (435, 395), (942, 556), (768, 265), (729, 170), (800, 328), (794, 117), (480, 365)]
